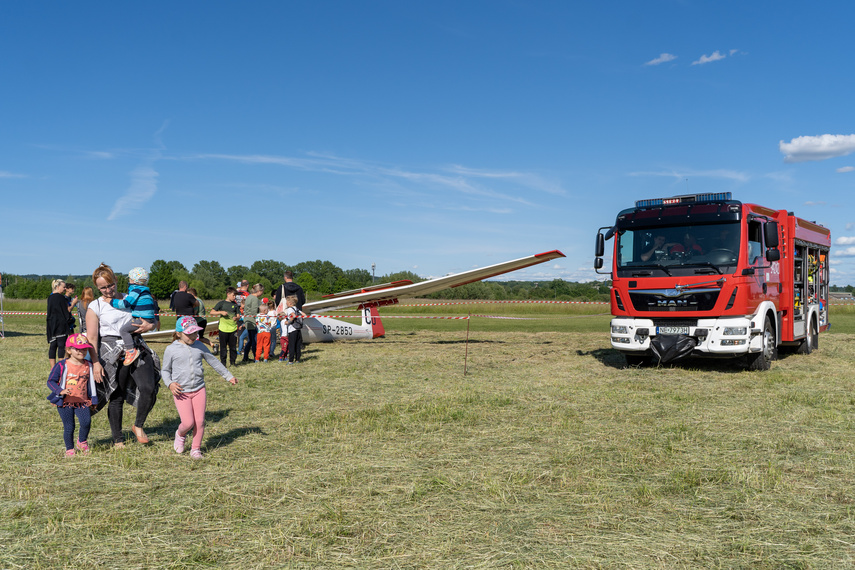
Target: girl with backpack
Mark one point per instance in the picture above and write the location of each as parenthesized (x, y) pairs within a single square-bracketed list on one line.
[(72, 391)]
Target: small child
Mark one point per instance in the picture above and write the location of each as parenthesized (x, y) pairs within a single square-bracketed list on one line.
[(72, 385), (142, 306), (265, 323), (277, 328), (292, 325), (183, 374)]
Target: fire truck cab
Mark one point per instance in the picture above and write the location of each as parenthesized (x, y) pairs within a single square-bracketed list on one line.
[(706, 275)]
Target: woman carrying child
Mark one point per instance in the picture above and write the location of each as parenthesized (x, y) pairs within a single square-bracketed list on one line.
[(72, 385), (184, 376), (136, 384)]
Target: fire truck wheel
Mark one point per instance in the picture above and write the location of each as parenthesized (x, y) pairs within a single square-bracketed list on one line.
[(811, 341), (763, 360)]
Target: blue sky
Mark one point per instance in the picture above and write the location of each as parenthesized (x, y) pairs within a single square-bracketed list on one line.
[(424, 136)]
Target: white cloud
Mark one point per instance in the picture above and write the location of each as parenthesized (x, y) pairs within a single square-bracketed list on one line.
[(845, 241), (846, 169), (663, 58), (809, 203), (142, 189), (457, 178), (715, 56), (848, 252), (6, 174), (822, 147)]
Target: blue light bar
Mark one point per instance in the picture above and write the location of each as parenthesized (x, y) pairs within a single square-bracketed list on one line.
[(685, 199)]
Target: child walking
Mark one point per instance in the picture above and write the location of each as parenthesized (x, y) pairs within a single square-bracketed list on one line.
[(72, 385), (142, 306), (183, 374)]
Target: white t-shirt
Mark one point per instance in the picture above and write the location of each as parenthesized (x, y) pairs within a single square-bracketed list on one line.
[(110, 319)]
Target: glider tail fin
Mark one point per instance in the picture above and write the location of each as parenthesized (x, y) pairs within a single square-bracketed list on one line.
[(371, 317)]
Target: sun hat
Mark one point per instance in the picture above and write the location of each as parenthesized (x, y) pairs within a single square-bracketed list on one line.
[(138, 275), (187, 325), (78, 340)]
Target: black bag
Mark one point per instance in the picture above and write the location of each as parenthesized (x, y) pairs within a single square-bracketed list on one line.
[(297, 323)]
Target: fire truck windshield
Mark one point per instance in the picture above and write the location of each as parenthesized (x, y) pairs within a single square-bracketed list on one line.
[(687, 249)]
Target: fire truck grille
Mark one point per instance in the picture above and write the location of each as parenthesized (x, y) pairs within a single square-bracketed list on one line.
[(649, 302)]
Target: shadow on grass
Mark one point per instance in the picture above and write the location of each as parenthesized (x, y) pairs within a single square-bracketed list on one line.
[(614, 359), (232, 435), (10, 334)]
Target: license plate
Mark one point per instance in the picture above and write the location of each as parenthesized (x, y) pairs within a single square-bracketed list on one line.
[(672, 330)]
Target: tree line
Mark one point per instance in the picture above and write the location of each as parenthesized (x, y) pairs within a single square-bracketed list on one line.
[(317, 278)]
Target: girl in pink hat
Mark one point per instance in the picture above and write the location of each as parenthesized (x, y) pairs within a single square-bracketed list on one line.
[(72, 391), (184, 376)]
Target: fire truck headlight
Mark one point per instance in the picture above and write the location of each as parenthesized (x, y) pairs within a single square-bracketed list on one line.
[(620, 339), (619, 329), (733, 342), (735, 331)]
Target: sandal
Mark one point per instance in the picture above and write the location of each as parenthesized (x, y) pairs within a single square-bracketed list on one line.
[(140, 435)]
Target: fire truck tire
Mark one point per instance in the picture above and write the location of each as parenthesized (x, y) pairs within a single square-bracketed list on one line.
[(763, 360), (811, 341)]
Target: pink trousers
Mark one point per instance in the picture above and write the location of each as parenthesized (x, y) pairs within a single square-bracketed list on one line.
[(191, 410)]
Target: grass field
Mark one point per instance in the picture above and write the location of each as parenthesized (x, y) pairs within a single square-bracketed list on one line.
[(548, 452)]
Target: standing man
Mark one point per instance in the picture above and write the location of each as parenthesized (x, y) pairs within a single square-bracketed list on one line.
[(290, 288), (287, 288), (183, 302)]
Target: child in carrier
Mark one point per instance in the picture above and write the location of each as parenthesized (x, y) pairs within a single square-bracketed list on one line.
[(72, 385), (142, 306)]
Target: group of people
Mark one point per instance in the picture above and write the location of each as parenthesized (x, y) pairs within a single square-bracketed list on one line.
[(250, 322), (122, 368)]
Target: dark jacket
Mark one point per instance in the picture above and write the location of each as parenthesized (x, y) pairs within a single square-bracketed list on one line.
[(58, 316), (290, 288)]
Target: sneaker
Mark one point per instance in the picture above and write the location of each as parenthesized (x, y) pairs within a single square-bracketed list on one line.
[(83, 447), (130, 356), (178, 445), (281, 359), (69, 453), (195, 454)]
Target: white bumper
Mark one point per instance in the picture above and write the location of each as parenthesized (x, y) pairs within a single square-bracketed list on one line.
[(716, 336)]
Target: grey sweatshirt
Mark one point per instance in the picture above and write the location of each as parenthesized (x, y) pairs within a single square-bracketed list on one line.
[(183, 364)]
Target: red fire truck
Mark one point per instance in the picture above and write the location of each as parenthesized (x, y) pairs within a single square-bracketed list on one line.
[(706, 275)]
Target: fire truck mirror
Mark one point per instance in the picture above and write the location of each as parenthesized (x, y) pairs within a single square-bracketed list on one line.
[(773, 254), (770, 232), (600, 247), (598, 263)]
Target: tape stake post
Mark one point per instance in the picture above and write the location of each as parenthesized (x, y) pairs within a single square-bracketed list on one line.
[(466, 354)]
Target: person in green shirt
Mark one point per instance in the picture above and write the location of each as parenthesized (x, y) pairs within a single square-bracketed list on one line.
[(229, 314), (250, 311)]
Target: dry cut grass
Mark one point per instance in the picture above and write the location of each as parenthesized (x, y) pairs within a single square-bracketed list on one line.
[(548, 452)]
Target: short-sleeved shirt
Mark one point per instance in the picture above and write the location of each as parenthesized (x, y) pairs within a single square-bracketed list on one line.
[(110, 320), (77, 382), (227, 324), (183, 303)]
